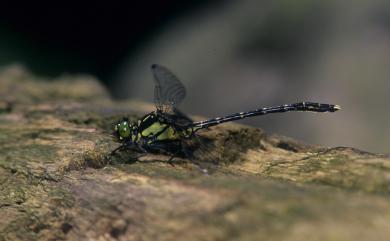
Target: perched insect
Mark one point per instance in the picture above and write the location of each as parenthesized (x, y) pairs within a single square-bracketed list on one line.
[(167, 130)]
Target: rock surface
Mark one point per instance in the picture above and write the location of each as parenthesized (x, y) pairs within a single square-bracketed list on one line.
[(57, 182)]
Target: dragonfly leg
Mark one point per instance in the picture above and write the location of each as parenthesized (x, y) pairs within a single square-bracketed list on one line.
[(136, 157), (117, 149), (141, 149), (170, 161)]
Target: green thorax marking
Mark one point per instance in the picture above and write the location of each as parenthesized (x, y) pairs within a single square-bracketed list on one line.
[(150, 125)]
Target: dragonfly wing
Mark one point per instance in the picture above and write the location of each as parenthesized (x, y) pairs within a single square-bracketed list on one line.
[(182, 119), (202, 152), (169, 92)]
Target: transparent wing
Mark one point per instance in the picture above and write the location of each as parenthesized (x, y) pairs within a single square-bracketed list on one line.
[(182, 120), (176, 118), (202, 152), (169, 92)]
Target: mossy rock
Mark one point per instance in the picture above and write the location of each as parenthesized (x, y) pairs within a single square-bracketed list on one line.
[(58, 181)]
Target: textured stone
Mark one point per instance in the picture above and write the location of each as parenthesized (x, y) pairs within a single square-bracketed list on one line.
[(56, 181)]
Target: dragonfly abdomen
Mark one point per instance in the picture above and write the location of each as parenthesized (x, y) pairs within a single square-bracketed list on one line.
[(302, 106)]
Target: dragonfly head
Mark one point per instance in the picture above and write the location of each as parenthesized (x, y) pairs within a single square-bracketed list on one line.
[(125, 130)]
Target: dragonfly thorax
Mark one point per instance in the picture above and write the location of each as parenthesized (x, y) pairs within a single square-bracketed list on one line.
[(154, 128), (150, 129)]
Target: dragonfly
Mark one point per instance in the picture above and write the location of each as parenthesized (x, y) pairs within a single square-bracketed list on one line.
[(167, 130)]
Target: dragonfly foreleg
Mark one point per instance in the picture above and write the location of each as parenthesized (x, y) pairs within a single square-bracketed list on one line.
[(117, 149)]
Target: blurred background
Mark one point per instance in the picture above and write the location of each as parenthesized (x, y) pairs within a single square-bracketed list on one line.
[(233, 56)]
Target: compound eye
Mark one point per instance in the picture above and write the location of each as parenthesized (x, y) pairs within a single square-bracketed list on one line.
[(124, 129)]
